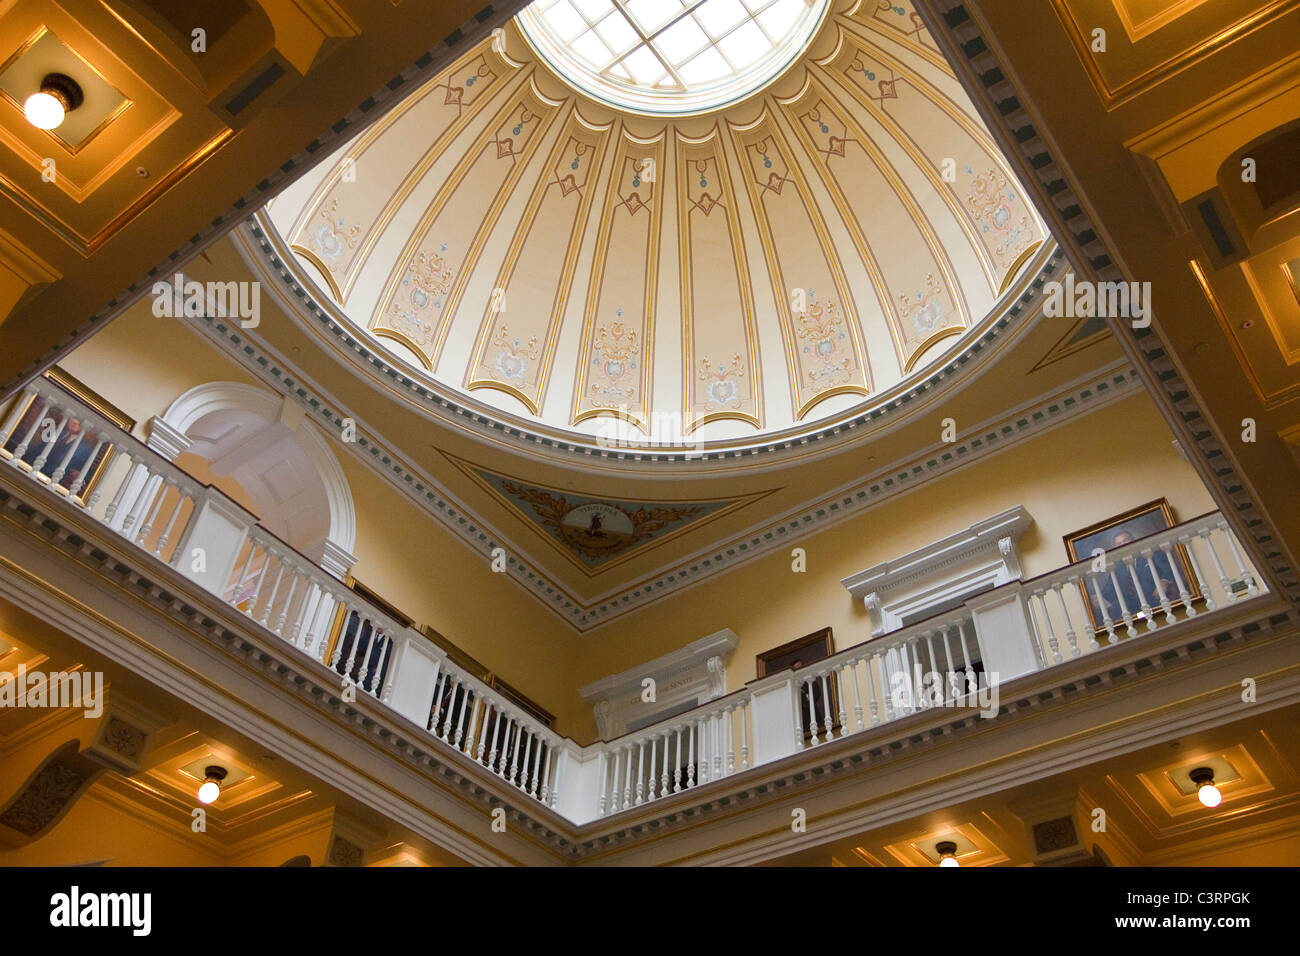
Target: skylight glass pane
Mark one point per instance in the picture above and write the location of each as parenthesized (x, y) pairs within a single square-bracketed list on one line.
[(652, 14), (681, 40), (780, 17), (593, 10), (719, 16), (590, 48), (671, 56), (617, 32), (744, 45), (564, 20), (643, 65), (705, 68)]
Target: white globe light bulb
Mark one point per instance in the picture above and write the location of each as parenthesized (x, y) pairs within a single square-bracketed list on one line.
[(43, 110), (949, 861), (1209, 795), (209, 791)]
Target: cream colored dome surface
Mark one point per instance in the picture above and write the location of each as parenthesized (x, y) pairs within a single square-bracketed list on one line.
[(759, 267)]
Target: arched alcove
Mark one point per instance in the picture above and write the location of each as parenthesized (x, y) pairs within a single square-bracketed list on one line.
[(262, 451)]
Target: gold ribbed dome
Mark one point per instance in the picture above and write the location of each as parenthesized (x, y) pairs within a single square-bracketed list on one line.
[(708, 276)]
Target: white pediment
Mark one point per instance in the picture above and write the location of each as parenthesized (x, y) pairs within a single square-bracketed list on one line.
[(931, 578), (685, 678)]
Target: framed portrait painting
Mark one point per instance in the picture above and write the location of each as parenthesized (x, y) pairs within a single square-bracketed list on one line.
[(795, 656), (67, 454), (1110, 595)]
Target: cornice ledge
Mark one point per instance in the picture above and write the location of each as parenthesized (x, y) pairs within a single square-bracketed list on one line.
[(981, 536), (247, 645), (719, 644)]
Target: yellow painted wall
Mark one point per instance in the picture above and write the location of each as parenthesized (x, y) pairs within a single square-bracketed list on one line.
[(1082, 472), (142, 364)]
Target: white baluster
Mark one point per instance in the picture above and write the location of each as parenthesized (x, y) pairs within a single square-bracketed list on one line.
[(514, 751), (614, 803), (1243, 574), (546, 774), (181, 498), (275, 590), (869, 663), (917, 679), (663, 782), (640, 768), (727, 719), (690, 760), (528, 747), (1125, 614), (496, 738), (971, 683), (48, 446), (61, 468), (604, 784), (677, 764), (1047, 626), (537, 757), (465, 705), (21, 450), (439, 685), (488, 708), (1183, 593), (812, 714), (1130, 562), (20, 405), (452, 698), (295, 577), (654, 752), (826, 703), (1065, 615), (1186, 542), (1105, 615), (80, 481)]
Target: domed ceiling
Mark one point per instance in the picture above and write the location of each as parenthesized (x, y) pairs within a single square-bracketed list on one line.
[(792, 207)]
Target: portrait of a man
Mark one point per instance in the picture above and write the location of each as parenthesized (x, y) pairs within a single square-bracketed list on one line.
[(1130, 579)]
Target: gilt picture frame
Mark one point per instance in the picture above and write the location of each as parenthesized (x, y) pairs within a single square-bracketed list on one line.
[(1115, 532), (78, 456)]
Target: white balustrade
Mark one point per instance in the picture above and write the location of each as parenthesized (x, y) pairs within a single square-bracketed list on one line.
[(950, 660)]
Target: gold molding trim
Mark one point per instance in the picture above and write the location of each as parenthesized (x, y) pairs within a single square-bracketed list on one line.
[(1019, 263), (402, 340), (87, 247), (576, 131), (714, 144), (324, 270), (1113, 97), (627, 142), (928, 343), (67, 147)]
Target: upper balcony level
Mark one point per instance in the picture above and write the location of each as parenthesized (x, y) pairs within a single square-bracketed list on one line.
[(957, 659)]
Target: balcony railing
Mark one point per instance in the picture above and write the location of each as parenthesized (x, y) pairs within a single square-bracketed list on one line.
[(956, 659)]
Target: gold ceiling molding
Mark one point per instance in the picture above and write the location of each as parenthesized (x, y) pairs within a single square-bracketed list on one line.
[(712, 374), (811, 326), (635, 206), (1185, 35), (481, 68), (570, 169), (802, 118)]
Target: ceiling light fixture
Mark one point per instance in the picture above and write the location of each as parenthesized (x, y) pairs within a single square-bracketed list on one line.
[(1206, 791), (947, 851), (59, 95), (211, 788)]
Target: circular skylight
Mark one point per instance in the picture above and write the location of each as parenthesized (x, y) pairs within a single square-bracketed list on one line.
[(670, 56)]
